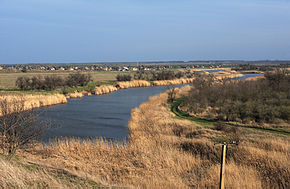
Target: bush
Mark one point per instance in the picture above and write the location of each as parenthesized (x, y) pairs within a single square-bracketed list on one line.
[(258, 101), (78, 79), (23, 83), (171, 94), (18, 127), (39, 83), (52, 82), (123, 77)]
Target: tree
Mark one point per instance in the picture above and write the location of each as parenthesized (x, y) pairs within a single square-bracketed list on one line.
[(78, 79), (276, 77), (18, 126), (171, 94), (125, 77), (23, 83)]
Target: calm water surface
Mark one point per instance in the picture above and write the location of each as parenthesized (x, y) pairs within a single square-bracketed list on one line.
[(91, 116), (249, 75), (105, 115)]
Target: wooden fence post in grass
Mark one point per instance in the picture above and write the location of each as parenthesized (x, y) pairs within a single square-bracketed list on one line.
[(223, 163)]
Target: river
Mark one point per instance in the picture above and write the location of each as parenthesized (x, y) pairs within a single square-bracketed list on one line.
[(99, 116)]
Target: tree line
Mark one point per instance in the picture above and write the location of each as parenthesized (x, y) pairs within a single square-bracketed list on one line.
[(52, 82), (153, 75), (265, 100)]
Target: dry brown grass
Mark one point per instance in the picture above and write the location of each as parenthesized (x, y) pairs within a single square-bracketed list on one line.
[(134, 83), (19, 177), (173, 82), (255, 78), (105, 89), (163, 152), (34, 100), (75, 95), (227, 75), (203, 69), (21, 174)]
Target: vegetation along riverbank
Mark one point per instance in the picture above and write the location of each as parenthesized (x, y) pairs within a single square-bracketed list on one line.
[(163, 151), (77, 85)]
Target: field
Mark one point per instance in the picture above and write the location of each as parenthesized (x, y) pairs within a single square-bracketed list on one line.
[(7, 80)]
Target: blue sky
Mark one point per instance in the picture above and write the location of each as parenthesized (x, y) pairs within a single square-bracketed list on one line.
[(143, 30)]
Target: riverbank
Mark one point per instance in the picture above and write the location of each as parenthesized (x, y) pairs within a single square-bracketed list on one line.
[(165, 152), (38, 100), (31, 101), (105, 89)]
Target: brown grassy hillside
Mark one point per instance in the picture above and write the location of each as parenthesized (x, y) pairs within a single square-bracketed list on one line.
[(165, 152)]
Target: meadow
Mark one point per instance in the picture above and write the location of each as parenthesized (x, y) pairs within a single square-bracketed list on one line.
[(8, 79)]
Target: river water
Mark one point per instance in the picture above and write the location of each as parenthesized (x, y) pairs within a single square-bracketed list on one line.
[(99, 116)]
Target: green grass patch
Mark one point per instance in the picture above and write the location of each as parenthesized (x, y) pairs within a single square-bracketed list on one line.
[(29, 92), (221, 139), (205, 122), (184, 115), (107, 82)]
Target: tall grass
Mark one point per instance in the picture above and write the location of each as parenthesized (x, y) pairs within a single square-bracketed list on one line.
[(34, 100), (167, 153), (105, 89), (134, 83), (173, 82), (75, 94)]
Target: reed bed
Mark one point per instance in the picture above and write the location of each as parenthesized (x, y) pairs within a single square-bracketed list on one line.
[(105, 89), (227, 75), (173, 82), (132, 84), (34, 100), (86, 93), (75, 95), (255, 78)]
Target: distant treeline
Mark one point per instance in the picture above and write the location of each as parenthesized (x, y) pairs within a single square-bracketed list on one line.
[(245, 67), (52, 82), (153, 75), (265, 100)]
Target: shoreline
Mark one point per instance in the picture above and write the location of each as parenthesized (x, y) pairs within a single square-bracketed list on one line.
[(40, 100), (165, 152)]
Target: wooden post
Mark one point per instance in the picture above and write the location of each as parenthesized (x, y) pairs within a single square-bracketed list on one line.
[(223, 163)]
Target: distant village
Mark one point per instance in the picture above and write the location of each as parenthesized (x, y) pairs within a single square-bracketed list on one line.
[(99, 67), (137, 66)]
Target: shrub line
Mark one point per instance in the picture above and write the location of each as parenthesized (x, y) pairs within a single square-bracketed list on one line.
[(202, 121)]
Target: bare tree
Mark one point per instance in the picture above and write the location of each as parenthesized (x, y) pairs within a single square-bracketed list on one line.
[(171, 94), (78, 79), (18, 127)]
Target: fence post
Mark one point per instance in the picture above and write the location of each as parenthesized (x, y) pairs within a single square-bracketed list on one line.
[(223, 163)]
